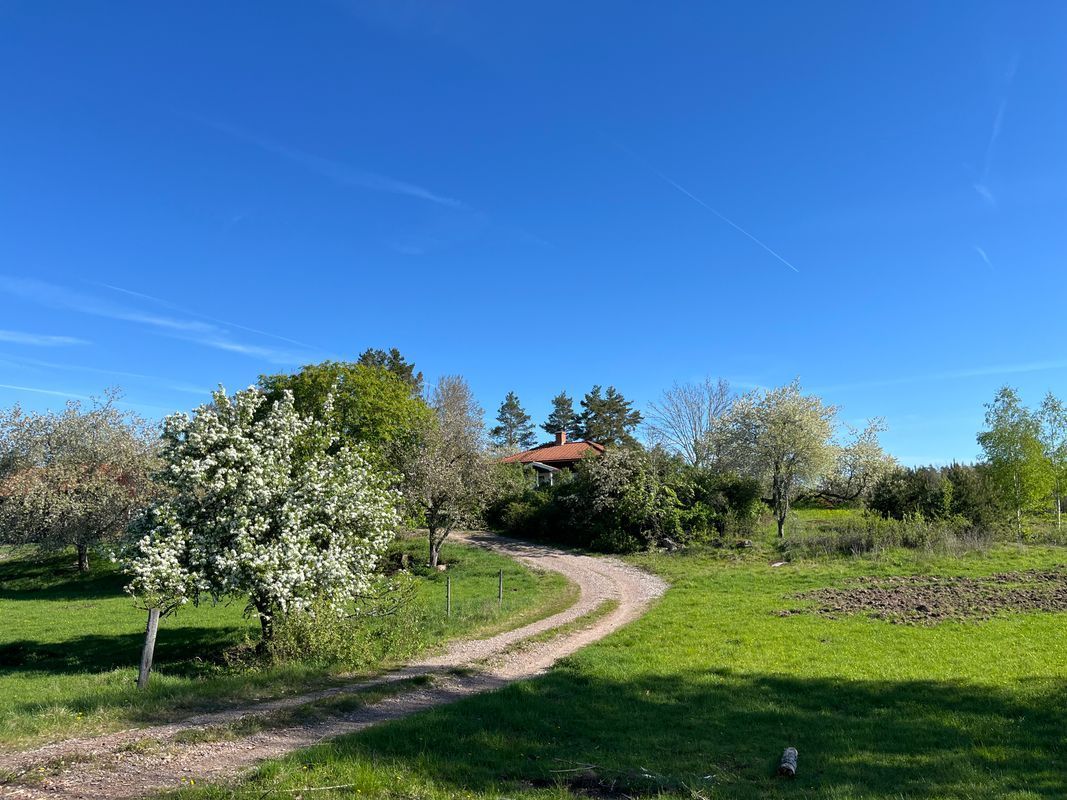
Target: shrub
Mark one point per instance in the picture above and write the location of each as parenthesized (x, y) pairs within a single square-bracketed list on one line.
[(617, 503), (959, 490), (717, 504), (627, 500), (384, 629)]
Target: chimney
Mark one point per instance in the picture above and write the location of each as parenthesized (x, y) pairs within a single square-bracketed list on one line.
[(561, 437)]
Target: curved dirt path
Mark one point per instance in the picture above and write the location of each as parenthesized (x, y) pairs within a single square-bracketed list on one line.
[(136, 762)]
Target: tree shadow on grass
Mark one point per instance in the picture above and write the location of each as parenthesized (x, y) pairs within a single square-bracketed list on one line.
[(186, 652), (55, 576), (721, 734)]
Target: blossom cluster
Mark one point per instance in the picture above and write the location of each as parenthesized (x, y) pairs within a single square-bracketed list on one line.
[(260, 506)]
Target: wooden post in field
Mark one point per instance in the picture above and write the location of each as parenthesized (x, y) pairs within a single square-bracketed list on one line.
[(500, 590), (448, 595), (149, 648)]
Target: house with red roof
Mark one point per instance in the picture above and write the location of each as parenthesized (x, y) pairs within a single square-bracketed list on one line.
[(547, 459)]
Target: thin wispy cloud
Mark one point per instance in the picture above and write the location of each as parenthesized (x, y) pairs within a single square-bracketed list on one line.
[(50, 392), (39, 339), (190, 330), (708, 207), (982, 184), (268, 353), (165, 383), (174, 307), (337, 171), (53, 296), (951, 375), (984, 256)]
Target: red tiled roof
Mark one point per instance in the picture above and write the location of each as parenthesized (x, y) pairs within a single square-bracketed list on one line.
[(553, 453)]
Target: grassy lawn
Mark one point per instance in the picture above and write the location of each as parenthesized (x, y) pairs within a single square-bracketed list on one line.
[(698, 699), (70, 644)]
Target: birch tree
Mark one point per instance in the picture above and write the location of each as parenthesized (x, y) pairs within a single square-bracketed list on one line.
[(1053, 419), (1012, 446), (685, 416)]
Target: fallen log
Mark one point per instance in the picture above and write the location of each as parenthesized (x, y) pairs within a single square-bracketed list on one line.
[(787, 767)]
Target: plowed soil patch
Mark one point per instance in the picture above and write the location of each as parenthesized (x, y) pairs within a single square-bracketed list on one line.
[(928, 600)]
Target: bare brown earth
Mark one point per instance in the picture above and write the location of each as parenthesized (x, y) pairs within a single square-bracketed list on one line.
[(928, 600), (137, 762)]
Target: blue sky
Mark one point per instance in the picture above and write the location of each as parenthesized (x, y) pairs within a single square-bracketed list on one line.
[(869, 196)]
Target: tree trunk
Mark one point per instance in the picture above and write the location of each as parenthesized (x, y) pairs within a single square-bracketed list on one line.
[(266, 621), (148, 652), (83, 557), (435, 551), (781, 513), (1059, 512), (1018, 506)]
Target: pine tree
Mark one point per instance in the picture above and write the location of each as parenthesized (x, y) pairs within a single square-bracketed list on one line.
[(395, 362), (562, 419), (608, 418), (514, 431)]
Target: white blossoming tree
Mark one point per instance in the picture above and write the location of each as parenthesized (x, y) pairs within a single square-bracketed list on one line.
[(782, 437), (73, 478), (447, 476), (260, 509)]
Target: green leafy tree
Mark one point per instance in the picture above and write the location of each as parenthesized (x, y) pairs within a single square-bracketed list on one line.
[(784, 439), (514, 430), (1012, 446), (368, 405), (562, 419), (393, 361), (1053, 419), (608, 418), (73, 478)]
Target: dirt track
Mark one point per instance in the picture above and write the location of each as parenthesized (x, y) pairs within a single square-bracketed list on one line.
[(137, 762)]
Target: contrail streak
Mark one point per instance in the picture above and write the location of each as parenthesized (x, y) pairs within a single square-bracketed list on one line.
[(724, 218), (678, 187)]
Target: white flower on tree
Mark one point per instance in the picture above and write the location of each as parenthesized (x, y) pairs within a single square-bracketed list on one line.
[(262, 505), (73, 478), (446, 472)]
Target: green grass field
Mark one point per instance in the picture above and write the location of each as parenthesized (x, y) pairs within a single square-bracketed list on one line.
[(70, 644), (698, 699)]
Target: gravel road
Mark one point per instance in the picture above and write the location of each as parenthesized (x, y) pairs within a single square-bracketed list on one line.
[(137, 762)]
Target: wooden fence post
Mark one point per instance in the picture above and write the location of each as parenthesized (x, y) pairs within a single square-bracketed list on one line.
[(149, 648), (448, 595), (500, 589)]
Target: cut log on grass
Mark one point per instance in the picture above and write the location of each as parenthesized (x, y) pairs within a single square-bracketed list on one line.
[(149, 648), (787, 767)]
